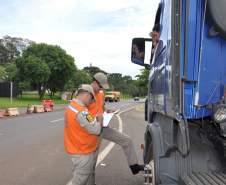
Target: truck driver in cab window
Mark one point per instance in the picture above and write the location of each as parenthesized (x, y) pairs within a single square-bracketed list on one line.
[(155, 33)]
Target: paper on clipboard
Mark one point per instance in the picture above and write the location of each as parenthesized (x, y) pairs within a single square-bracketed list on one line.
[(107, 118)]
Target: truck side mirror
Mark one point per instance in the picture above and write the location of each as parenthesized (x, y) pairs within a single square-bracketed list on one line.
[(138, 51)]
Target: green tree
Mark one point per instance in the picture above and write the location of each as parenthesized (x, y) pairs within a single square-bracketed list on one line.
[(11, 70), (134, 89), (8, 52), (3, 73), (3, 54), (124, 84), (60, 64), (127, 78), (79, 77), (32, 70), (12, 51), (24, 86), (142, 81), (115, 80)]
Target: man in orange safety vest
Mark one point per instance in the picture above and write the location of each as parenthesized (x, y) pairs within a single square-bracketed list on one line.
[(81, 136)]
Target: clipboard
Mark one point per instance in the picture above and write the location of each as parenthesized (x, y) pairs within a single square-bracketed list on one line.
[(107, 118)]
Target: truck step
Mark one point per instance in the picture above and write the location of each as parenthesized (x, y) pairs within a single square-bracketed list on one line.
[(204, 179)]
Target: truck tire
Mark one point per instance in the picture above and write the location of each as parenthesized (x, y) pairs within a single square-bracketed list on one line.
[(216, 12), (148, 149), (148, 157), (146, 110)]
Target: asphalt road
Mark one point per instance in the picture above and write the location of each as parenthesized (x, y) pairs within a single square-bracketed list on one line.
[(32, 151)]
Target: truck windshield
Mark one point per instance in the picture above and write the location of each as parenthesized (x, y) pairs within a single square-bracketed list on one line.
[(108, 93)]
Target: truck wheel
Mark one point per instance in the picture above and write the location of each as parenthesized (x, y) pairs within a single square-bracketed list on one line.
[(148, 149), (148, 159), (152, 170)]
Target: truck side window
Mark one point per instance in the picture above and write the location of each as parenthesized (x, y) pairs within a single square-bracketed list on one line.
[(157, 19), (155, 34)]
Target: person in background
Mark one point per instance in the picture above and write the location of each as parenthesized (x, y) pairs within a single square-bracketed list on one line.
[(99, 83)]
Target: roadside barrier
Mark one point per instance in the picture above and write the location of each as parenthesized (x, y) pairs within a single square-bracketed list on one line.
[(48, 105), (2, 114), (30, 109), (12, 112), (39, 109)]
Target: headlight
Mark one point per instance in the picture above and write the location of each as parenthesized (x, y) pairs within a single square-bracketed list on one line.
[(219, 115)]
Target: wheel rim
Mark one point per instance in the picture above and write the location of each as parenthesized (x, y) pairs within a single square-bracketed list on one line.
[(152, 165), (150, 174)]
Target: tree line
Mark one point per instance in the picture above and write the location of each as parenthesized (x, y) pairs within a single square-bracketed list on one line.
[(49, 68)]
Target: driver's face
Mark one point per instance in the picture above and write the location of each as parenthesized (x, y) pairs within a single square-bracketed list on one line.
[(154, 35)]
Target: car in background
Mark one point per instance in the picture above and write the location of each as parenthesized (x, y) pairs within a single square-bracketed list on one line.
[(136, 98)]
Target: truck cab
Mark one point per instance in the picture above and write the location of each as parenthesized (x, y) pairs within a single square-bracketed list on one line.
[(185, 138), (112, 96)]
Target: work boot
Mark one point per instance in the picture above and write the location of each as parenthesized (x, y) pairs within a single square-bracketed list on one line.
[(136, 168)]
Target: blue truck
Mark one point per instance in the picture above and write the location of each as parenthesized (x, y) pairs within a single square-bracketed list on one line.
[(185, 138)]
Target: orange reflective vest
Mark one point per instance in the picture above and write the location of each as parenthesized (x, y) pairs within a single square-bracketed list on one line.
[(97, 107), (77, 140)]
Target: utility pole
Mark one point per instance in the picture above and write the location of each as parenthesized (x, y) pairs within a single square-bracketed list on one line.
[(11, 92)]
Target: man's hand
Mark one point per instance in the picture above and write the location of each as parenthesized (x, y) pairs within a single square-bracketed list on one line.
[(110, 110), (100, 119)]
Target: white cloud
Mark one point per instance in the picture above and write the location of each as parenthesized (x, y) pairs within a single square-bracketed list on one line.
[(92, 31), (108, 6)]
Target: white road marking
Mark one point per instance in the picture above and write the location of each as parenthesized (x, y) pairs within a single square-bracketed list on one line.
[(109, 147), (103, 164), (54, 121)]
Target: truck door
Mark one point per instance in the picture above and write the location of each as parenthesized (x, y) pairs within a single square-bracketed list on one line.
[(161, 74)]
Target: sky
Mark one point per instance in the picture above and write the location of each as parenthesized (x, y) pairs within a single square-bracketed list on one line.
[(94, 32)]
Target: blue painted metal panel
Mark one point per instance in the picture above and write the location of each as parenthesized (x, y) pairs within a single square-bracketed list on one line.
[(202, 60), (192, 48), (206, 64), (182, 37)]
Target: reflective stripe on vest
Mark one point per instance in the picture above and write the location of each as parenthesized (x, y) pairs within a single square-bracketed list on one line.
[(77, 140), (73, 109)]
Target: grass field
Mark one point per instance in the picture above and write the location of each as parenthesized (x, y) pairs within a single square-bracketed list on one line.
[(126, 97), (27, 98), (32, 98)]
